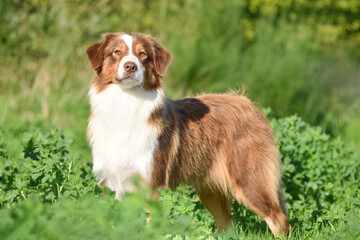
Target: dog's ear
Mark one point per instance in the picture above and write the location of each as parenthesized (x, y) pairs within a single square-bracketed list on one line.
[(96, 52), (162, 58)]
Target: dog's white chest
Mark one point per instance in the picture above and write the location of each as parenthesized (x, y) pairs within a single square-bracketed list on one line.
[(123, 142)]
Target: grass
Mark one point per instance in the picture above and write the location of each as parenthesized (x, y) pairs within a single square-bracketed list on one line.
[(315, 170), (283, 65)]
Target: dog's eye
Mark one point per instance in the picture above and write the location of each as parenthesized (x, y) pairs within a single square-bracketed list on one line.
[(142, 54), (117, 51)]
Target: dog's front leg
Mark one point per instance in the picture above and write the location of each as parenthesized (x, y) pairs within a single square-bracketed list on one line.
[(154, 194), (103, 186), (118, 185)]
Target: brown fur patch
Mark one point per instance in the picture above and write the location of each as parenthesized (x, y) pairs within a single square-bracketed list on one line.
[(224, 146)]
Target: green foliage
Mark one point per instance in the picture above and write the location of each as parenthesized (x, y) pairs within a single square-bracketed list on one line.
[(294, 56), (316, 169), (3, 151), (47, 169), (89, 218), (321, 184)]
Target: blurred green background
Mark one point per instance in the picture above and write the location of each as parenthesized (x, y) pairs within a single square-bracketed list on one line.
[(294, 56)]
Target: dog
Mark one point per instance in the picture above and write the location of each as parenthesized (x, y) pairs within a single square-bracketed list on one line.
[(221, 144)]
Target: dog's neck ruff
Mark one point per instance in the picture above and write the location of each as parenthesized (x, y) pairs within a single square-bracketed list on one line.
[(122, 140)]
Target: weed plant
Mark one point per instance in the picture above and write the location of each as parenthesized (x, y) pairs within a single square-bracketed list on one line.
[(50, 192)]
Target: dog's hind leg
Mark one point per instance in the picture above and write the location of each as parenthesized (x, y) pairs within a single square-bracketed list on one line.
[(219, 206), (264, 202)]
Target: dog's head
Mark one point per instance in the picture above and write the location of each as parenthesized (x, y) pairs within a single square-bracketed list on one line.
[(131, 60)]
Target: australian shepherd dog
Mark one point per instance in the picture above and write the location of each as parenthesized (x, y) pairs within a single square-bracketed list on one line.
[(221, 144)]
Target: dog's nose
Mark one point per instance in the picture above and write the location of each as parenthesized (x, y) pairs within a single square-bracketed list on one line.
[(130, 67)]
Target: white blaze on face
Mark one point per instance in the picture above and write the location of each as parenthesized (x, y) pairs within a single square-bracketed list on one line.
[(138, 79)]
